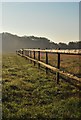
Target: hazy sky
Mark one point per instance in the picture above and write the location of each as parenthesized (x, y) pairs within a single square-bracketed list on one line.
[(58, 21)]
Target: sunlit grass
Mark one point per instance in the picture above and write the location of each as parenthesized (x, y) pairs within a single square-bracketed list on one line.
[(29, 93)]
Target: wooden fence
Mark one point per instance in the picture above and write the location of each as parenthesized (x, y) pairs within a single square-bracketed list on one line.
[(31, 55)]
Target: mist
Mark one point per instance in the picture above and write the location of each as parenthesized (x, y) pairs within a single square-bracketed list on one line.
[(10, 43)]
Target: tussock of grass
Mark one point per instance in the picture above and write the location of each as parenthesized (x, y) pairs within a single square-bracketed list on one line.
[(29, 93)]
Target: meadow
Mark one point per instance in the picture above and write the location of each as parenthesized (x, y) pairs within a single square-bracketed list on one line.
[(29, 93)]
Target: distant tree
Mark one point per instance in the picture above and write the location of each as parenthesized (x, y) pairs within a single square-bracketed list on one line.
[(62, 45), (78, 45), (53, 45)]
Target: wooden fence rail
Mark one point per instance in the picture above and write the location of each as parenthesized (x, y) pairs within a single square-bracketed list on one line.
[(31, 55)]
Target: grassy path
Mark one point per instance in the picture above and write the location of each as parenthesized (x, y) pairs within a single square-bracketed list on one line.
[(29, 93)]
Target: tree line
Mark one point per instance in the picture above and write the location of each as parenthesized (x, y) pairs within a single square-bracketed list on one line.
[(12, 42)]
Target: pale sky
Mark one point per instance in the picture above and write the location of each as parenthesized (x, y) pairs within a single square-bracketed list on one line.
[(57, 21)]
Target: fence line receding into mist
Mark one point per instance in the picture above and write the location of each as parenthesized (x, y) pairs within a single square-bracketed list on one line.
[(31, 55)]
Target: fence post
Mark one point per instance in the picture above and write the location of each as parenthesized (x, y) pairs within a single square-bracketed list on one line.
[(30, 55), (46, 62), (26, 53), (38, 59), (34, 58), (22, 52), (58, 66)]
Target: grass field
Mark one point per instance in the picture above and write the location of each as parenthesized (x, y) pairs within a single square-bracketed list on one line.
[(29, 93)]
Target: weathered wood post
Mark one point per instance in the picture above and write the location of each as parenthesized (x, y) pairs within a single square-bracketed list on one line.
[(58, 66), (22, 52), (34, 57), (27, 53), (46, 62), (30, 55), (39, 58)]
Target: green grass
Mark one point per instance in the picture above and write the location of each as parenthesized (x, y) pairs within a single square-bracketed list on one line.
[(29, 93)]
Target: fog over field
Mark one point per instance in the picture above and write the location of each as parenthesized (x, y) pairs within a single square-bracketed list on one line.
[(11, 43)]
